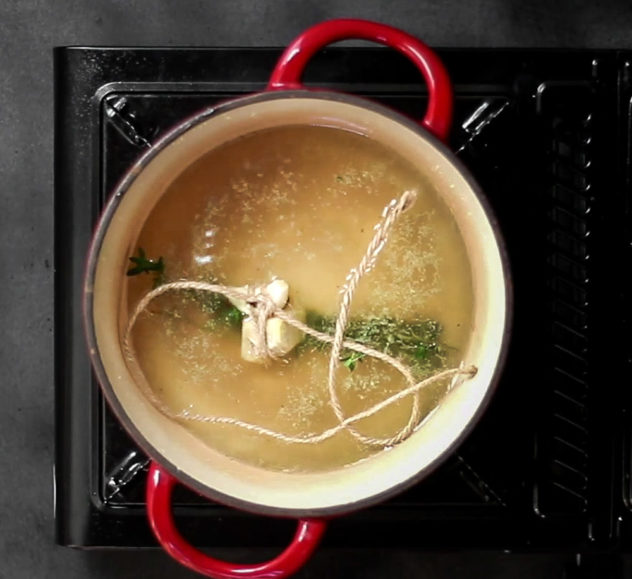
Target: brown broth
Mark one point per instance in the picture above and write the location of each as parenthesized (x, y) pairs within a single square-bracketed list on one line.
[(298, 203)]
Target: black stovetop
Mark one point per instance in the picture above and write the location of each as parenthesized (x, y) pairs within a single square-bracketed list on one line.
[(546, 134)]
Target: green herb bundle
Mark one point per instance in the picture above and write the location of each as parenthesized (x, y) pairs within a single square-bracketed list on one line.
[(416, 343)]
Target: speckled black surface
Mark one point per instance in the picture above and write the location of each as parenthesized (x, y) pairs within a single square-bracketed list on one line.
[(28, 31)]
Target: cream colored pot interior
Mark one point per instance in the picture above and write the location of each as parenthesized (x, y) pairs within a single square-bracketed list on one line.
[(275, 491)]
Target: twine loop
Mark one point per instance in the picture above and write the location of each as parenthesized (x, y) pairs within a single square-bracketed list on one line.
[(261, 307)]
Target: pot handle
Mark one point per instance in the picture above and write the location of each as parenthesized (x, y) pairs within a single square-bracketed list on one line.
[(289, 69), (159, 488)]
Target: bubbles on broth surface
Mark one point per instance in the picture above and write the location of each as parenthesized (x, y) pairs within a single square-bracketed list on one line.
[(300, 204)]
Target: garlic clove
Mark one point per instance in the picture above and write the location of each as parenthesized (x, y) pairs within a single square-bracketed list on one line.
[(281, 338), (278, 290), (248, 339)]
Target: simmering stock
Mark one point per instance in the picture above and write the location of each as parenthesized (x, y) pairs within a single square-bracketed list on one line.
[(297, 203)]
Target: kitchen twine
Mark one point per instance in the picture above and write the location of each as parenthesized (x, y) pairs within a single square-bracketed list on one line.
[(261, 307)]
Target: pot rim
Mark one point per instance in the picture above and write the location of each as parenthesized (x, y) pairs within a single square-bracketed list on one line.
[(95, 250)]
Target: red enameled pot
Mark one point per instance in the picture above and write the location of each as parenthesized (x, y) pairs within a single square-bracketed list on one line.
[(176, 454)]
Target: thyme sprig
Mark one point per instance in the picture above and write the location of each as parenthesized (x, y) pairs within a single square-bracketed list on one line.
[(143, 264), (416, 342)]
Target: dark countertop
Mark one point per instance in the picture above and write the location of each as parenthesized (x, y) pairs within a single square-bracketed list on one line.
[(28, 31)]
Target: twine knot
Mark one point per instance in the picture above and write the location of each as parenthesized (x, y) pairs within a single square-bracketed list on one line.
[(262, 304)]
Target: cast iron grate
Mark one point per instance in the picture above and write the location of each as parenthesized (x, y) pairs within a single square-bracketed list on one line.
[(535, 131), (569, 240)]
